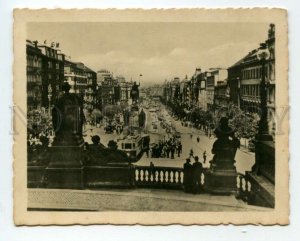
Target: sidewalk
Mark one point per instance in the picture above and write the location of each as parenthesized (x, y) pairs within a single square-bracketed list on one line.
[(132, 200)]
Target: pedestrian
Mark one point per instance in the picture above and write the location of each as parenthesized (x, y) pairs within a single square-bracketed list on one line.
[(198, 139), (187, 176), (191, 153), (197, 170), (151, 169), (191, 136), (179, 148), (168, 151), (204, 156), (172, 152)]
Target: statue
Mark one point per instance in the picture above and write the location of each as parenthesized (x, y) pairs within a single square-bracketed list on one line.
[(224, 148), (134, 94), (221, 178), (66, 155), (68, 118)]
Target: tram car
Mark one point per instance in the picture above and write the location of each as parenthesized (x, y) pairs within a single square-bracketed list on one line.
[(134, 146)]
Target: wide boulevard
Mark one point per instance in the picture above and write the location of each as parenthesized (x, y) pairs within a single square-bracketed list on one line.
[(244, 158)]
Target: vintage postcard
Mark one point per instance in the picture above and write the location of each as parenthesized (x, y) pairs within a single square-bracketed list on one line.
[(151, 117)]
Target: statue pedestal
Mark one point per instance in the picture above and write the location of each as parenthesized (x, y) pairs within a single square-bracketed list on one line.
[(65, 169), (221, 179)]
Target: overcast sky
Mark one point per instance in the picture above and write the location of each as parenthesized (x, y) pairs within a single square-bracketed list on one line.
[(158, 51)]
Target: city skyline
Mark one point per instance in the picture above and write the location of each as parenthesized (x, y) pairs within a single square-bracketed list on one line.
[(158, 51)]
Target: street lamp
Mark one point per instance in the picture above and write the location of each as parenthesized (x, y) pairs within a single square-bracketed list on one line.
[(263, 132), (49, 98), (264, 146)]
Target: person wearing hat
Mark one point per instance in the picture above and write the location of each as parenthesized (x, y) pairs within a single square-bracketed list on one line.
[(197, 170), (96, 141), (187, 176)]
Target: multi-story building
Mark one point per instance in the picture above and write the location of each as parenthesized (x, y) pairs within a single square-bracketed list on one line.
[(103, 74), (216, 75), (74, 74), (48, 68), (185, 91), (124, 88), (222, 97), (90, 97), (195, 88), (53, 73), (171, 91), (245, 78), (202, 99), (108, 93), (34, 73)]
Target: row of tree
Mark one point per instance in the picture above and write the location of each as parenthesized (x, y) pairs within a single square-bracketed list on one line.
[(244, 124)]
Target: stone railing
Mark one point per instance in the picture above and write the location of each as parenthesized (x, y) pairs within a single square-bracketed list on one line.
[(161, 177), (244, 188)]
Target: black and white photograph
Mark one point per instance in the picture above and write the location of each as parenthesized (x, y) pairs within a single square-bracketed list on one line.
[(153, 116)]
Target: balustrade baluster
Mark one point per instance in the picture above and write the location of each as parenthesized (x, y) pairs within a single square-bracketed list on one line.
[(171, 176), (249, 186), (166, 176), (142, 176), (177, 177), (151, 176), (202, 179), (136, 175), (156, 176), (161, 177), (181, 177), (146, 175)]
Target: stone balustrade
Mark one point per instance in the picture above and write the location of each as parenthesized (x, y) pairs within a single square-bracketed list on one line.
[(140, 177), (161, 177), (243, 188)]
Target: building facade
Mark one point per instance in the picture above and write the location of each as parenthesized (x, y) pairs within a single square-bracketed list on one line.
[(222, 97), (74, 74), (90, 94), (34, 72), (245, 77), (217, 75), (53, 74)]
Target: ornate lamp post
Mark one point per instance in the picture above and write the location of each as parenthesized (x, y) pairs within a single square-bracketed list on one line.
[(263, 132), (264, 146), (49, 98)]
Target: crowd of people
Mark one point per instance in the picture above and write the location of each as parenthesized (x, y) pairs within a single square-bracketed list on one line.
[(167, 148)]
